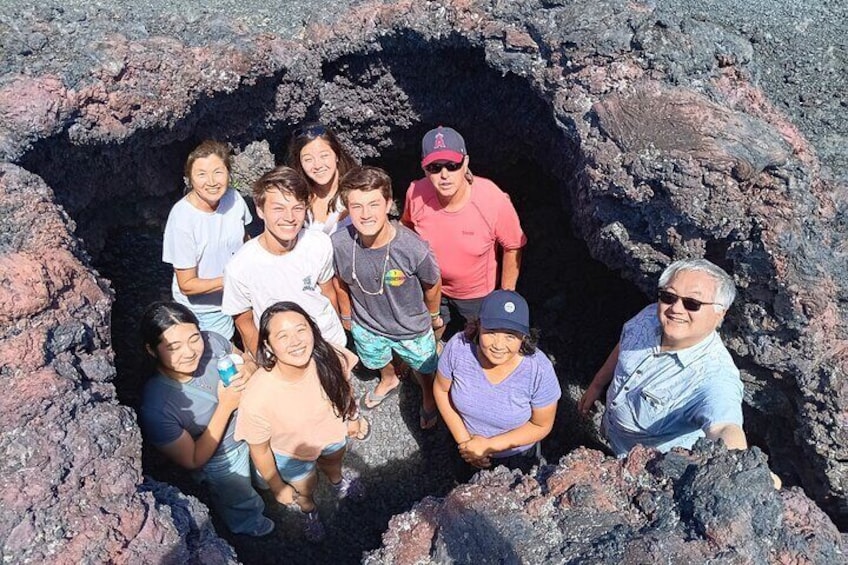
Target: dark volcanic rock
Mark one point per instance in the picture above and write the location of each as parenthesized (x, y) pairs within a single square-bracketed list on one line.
[(707, 506), (644, 125), (70, 470)]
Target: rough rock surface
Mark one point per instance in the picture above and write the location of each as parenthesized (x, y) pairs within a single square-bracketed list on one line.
[(645, 121), (70, 470), (704, 506)]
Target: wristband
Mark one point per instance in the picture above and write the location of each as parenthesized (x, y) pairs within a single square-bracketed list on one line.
[(434, 315), (346, 318)]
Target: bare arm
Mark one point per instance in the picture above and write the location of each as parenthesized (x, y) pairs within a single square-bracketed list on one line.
[(343, 298), (248, 331), (537, 428), (452, 419), (263, 460), (194, 453), (328, 289), (510, 267), (599, 382), (432, 300), (190, 284), (732, 434)]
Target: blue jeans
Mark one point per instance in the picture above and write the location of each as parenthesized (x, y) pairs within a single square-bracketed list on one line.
[(217, 322), (228, 478)]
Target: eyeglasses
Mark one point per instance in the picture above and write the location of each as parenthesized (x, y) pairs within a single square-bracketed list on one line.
[(690, 304), (315, 130), (436, 168)]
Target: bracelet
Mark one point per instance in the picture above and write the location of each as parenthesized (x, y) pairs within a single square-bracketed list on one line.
[(346, 318), (434, 315)]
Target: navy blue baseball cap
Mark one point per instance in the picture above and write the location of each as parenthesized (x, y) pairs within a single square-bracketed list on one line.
[(442, 144), (505, 310)]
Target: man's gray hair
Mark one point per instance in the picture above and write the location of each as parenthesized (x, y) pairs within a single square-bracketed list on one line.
[(725, 289)]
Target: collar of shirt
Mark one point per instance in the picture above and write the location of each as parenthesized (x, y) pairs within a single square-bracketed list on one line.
[(688, 355)]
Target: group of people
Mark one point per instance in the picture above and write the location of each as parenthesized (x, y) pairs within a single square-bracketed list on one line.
[(331, 266)]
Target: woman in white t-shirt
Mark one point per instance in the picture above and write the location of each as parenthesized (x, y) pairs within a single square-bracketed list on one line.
[(204, 229), (317, 154)]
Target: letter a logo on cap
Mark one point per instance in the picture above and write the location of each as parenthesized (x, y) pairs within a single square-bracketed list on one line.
[(439, 142)]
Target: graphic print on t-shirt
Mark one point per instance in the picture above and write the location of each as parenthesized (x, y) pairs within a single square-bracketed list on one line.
[(395, 277)]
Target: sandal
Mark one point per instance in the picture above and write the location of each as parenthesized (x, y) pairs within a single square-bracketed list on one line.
[(375, 399), (360, 436), (428, 419)]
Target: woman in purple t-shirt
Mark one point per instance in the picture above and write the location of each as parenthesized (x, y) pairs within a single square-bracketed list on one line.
[(495, 391)]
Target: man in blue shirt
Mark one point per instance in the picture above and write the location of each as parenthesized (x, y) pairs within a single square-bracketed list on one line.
[(671, 379)]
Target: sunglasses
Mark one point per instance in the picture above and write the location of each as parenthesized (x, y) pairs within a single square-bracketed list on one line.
[(436, 168), (690, 304), (310, 131)]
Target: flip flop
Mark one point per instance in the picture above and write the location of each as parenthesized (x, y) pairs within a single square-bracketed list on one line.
[(367, 434), (428, 419), (375, 399)]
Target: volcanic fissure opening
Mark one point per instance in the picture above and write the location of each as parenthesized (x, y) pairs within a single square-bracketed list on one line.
[(380, 103)]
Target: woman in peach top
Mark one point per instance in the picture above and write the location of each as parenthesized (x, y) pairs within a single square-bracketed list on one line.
[(298, 411)]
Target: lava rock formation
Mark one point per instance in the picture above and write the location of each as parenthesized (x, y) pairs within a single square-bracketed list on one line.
[(657, 144)]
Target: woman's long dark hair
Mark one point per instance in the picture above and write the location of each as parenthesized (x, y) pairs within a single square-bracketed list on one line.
[(158, 317), (308, 133), (331, 373)]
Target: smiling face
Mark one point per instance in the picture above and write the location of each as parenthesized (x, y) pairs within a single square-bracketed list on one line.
[(369, 211), (683, 328), (498, 347), (290, 339), (179, 351), (209, 179), (283, 215), (319, 162), (451, 186)]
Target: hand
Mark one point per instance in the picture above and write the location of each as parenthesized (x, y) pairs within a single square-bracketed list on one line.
[(239, 382), (246, 371), (479, 462), (437, 322), (475, 448), (346, 324), (229, 396), (587, 401)]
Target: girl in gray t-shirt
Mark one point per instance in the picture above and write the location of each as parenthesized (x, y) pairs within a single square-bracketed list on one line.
[(189, 415)]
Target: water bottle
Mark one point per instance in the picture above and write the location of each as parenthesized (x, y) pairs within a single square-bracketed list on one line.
[(226, 368)]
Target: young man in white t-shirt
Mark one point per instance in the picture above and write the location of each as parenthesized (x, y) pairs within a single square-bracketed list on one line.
[(285, 262)]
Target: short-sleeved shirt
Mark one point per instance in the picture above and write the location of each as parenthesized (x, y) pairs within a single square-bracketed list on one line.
[(668, 399), (488, 410), (464, 241), (399, 313), (206, 240), (168, 407), (256, 279), (297, 418)]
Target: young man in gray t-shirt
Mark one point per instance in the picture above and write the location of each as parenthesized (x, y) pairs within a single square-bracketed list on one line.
[(390, 288)]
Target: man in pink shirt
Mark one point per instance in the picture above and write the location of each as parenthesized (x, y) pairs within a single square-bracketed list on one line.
[(464, 219)]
